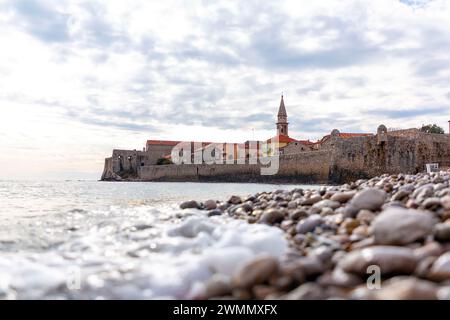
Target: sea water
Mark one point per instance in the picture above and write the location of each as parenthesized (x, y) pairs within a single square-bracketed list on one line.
[(122, 240)]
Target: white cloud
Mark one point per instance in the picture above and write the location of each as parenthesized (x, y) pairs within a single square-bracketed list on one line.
[(78, 78)]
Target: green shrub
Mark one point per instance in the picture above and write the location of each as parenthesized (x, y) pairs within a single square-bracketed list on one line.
[(432, 128)]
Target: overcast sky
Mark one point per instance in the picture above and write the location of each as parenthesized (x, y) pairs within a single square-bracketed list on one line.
[(79, 78)]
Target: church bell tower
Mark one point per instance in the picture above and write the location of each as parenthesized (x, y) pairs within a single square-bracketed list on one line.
[(282, 124)]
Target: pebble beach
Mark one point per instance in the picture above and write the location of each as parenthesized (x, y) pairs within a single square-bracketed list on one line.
[(383, 238)]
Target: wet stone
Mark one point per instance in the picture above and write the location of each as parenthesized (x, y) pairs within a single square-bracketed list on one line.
[(442, 231), (308, 224), (272, 216), (255, 272), (430, 249), (326, 204), (391, 260), (235, 200), (343, 197), (217, 285), (446, 202), (370, 199), (397, 226), (297, 214), (192, 204), (365, 216), (210, 205), (307, 291), (407, 288), (431, 203), (215, 212), (441, 268), (312, 200), (339, 278)]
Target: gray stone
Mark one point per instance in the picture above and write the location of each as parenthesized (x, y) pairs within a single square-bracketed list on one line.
[(391, 260), (446, 202), (365, 216), (431, 203), (400, 195), (235, 200), (308, 224), (407, 288), (339, 278), (343, 197), (398, 226), (255, 272), (312, 200), (443, 293), (370, 199), (272, 216), (297, 214), (215, 212), (307, 291), (210, 204), (423, 192), (217, 285), (292, 204), (428, 250), (442, 231), (326, 204), (441, 268), (191, 204)]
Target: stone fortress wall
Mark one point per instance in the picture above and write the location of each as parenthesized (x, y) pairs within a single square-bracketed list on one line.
[(340, 160)]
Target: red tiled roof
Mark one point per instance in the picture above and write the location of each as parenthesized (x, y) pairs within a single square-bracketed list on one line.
[(307, 142), (281, 138)]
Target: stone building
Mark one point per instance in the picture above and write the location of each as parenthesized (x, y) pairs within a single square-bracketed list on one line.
[(337, 157)]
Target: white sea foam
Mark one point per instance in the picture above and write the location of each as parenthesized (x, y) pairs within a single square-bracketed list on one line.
[(123, 240), (155, 258)]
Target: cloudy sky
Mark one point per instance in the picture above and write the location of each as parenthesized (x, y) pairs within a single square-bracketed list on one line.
[(79, 78)]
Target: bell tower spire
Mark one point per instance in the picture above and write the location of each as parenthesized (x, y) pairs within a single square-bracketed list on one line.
[(282, 124)]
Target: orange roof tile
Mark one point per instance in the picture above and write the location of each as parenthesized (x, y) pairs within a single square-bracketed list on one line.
[(281, 138)]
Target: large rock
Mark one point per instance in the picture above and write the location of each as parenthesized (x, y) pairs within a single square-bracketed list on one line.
[(399, 226), (370, 199), (255, 272), (390, 260)]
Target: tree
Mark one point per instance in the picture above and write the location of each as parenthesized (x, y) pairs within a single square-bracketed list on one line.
[(432, 128)]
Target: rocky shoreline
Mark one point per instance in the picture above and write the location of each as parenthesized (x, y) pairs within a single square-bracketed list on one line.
[(383, 238)]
